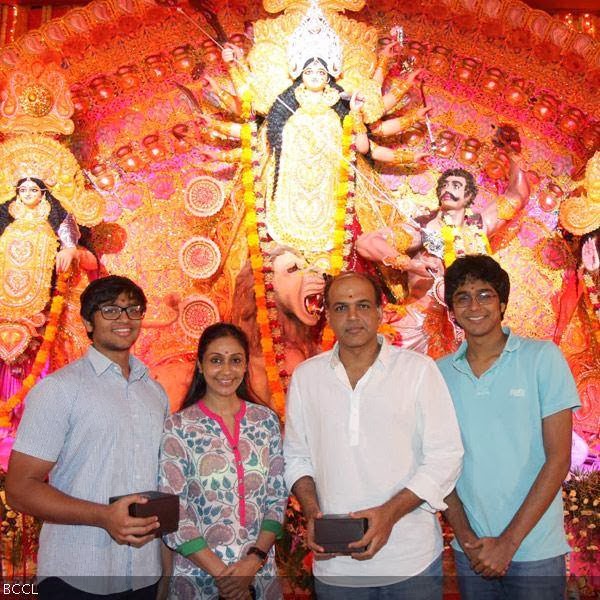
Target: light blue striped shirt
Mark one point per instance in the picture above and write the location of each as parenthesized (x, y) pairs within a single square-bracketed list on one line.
[(103, 432)]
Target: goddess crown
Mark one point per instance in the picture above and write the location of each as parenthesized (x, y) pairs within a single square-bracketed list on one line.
[(314, 37)]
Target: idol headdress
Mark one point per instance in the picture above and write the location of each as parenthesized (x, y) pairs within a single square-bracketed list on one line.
[(314, 38)]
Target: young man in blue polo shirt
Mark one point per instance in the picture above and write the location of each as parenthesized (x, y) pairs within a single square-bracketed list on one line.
[(513, 398)]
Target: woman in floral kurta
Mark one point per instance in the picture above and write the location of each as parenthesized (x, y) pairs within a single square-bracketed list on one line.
[(222, 455)]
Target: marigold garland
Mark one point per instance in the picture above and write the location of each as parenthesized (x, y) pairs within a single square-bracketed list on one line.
[(454, 243), (592, 305), (344, 214), (266, 311), (43, 353)]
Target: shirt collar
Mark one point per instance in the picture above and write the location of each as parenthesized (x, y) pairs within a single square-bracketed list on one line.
[(383, 358), (100, 362), (512, 343)]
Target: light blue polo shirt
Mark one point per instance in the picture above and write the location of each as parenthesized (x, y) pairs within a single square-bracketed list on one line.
[(500, 417)]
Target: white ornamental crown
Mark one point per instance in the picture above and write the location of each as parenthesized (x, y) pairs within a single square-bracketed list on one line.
[(314, 38)]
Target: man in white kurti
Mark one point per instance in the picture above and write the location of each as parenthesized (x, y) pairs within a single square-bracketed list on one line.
[(371, 431)]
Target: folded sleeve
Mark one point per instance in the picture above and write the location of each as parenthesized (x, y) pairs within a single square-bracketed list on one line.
[(277, 494), (296, 452), (441, 447)]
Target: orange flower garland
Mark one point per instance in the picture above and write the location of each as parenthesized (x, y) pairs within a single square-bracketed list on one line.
[(41, 358), (344, 215), (592, 305), (266, 312)]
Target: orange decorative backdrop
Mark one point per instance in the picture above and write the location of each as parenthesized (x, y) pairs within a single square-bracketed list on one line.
[(172, 220)]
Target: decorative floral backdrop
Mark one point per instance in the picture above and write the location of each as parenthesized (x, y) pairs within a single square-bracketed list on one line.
[(170, 228)]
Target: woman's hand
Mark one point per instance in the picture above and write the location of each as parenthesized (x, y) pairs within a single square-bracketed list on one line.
[(65, 258), (589, 255), (422, 112), (357, 102), (234, 581), (389, 50), (413, 76), (232, 53)]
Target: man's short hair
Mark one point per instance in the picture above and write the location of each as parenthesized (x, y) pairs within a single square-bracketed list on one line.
[(364, 276), (108, 289), (473, 267), (470, 185)]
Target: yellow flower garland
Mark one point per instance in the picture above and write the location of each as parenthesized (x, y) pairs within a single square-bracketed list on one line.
[(248, 132), (342, 239), (454, 244), (43, 353), (341, 197)]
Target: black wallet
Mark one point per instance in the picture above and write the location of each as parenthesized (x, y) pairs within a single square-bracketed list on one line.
[(161, 505), (334, 532)]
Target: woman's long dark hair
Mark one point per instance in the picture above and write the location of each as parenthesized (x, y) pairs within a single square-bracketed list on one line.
[(57, 212), (283, 108), (197, 389)]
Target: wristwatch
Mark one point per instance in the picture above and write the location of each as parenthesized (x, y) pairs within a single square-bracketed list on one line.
[(258, 552)]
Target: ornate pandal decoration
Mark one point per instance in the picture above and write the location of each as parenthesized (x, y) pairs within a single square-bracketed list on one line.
[(43, 353), (258, 244), (27, 255), (344, 215), (453, 238), (271, 339)]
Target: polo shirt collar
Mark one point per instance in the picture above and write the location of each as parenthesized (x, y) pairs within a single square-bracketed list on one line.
[(512, 343), (101, 363), (383, 358)]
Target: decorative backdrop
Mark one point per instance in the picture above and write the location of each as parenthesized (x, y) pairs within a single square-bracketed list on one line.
[(172, 221)]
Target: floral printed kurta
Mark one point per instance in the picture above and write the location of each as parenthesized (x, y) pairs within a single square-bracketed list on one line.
[(230, 486)]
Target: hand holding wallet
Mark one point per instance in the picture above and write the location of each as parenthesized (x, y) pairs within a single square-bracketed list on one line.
[(334, 532), (161, 505)]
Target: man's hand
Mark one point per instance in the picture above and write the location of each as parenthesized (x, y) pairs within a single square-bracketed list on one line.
[(425, 265), (490, 556), (318, 551), (376, 245), (381, 521), (133, 531), (235, 580)]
